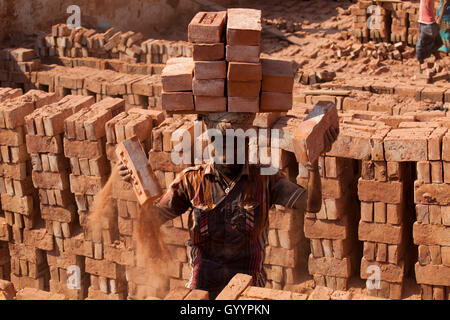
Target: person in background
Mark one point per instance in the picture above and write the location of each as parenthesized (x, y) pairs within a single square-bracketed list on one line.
[(429, 37), (443, 20)]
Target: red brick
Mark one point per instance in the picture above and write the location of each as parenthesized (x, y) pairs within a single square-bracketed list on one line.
[(207, 27), (211, 88), (431, 193), (205, 70), (103, 268), (278, 75), (83, 149), (275, 101), (244, 27), (177, 77), (244, 88), (235, 287), (178, 101), (90, 185), (431, 234), (210, 104), (50, 180), (389, 272), (329, 266), (325, 229), (44, 144), (178, 293), (437, 275), (208, 52), (243, 54), (308, 139), (380, 232), (241, 71), (243, 104), (376, 191)]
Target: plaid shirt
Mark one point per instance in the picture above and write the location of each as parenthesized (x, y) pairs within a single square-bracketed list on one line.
[(228, 223)]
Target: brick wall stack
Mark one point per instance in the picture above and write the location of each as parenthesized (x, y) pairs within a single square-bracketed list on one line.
[(135, 122), (399, 26), (431, 231), (84, 145), (244, 66), (17, 66), (5, 258), (383, 31), (51, 169), (18, 197), (359, 13), (413, 27), (206, 33), (175, 232), (384, 225), (127, 46)]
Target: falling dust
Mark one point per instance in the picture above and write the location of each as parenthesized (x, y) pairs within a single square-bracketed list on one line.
[(151, 251)]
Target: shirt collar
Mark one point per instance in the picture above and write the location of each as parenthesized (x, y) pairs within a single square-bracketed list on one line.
[(210, 170)]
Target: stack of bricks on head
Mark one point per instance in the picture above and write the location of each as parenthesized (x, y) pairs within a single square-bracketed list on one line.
[(226, 73)]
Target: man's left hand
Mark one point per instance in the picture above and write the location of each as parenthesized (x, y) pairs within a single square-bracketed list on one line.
[(330, 137)]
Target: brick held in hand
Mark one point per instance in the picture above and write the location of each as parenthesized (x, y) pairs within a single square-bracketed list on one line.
[(210, 104), (309, 137), (278, 75), (244, 27), (208, 51), (275, 101), (144, 182), (178, 77), (207, 27), (177, 101)]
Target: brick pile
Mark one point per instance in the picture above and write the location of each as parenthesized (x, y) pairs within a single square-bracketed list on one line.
[(139, 123), (251, 84), (84, 145), (127, 46), (399, 26), (18, 197), (16, 66), (432, 229)]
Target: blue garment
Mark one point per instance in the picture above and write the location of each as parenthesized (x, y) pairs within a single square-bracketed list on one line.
[(445, 28), (429, 41)]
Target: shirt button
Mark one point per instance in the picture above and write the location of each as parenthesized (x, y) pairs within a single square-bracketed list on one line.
[(227, 190)]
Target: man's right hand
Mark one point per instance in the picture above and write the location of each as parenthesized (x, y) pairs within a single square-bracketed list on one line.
[(124, 173)]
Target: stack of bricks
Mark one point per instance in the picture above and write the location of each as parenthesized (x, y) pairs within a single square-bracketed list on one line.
[(399, 26), (85, 146), (381, 17), (244, 67), (277, 85), (285, 258), (244, 71), (432, 229), (177, 85), (128, 46), (359, 13), (45, 130), (332, 230), (29, 268), (413, 16), (139, 123), (17, 66), (175, 232), (384, 224), (206, 33), (18, 197), (138, 90), (5, 259)]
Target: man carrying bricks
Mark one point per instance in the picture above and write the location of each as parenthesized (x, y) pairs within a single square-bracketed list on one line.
[(429, 38), (229, 205)]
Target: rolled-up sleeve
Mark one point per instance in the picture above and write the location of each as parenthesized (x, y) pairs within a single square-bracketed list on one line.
[(284, 192), (175, 200)]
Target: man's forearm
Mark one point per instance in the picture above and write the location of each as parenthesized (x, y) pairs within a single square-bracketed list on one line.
[(314, 201)]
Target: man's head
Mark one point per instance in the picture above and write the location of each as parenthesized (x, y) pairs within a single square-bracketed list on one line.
[(231, 128)]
